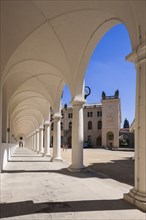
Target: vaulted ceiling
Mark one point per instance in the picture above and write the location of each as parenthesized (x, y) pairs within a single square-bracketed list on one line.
[(47, 44)]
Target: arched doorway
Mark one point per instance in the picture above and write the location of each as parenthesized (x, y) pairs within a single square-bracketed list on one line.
[(110, 139), (99, 141), (124, 140)]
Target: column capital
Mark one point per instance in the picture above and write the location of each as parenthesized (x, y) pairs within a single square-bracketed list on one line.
[(37, 130), (41, 127), (78, 101), (47, 123), (57, 116), (138, 55)]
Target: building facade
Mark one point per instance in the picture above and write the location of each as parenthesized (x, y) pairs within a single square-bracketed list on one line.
[(101, 123)]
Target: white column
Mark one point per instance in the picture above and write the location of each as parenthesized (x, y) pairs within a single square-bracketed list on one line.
[(29, 142), (77, 137), (47, 139), (56, 138), (41, 149), (37, 140), (137, 195), (34, 141)]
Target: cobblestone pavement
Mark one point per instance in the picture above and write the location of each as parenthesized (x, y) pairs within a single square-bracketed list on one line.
[(34, 188)]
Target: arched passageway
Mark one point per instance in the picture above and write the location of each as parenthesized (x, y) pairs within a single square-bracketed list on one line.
[(53, 49)]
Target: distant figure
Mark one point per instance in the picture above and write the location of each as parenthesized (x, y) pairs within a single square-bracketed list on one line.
[(66, 147), (20, 143), (63, 146)]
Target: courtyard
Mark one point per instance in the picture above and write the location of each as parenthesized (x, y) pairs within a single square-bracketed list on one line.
[(32, 187)]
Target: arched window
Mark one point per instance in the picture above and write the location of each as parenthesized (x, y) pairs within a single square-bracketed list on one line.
[(89, 140), (61, 126), (70, 125), (89, 125), (52, 126), (99, 125)]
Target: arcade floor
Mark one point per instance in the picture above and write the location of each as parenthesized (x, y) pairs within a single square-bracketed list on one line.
[(34, 188)]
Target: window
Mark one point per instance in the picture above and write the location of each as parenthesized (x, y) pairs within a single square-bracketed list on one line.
[(99, 113), (51, 117), (69, 115), (52, 126), (70, 125), (89, 140), (89, 125), (62, 114), (61, 126), (89, 114), (99, 125)]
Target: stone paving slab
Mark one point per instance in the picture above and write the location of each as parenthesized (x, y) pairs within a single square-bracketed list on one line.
[(36, 189)]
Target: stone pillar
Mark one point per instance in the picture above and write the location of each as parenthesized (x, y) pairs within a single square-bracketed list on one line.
[(47, 139), (56, 138), (137, 195), (37, 140), (41, 149), (34, 141), (77, 137)]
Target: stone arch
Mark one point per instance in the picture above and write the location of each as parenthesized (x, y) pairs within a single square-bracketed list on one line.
[(96, 36), (110, 139)]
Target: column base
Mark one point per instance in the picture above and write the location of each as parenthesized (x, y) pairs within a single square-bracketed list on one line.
[(77, 170), (48, 155), (137, 199), (56, 159), (42, 153)]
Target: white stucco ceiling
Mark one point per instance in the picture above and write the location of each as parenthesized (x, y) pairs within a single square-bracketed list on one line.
[(46, 44)]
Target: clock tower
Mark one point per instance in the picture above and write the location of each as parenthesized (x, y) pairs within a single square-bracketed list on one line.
[(111, 120)]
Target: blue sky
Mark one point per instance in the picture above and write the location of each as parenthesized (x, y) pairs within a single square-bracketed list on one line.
[(108, 71)]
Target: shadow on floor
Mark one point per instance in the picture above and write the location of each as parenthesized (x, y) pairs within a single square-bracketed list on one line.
[(28, 207), (119, 170)]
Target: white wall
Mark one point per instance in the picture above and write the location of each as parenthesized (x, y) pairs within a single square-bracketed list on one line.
[(6, 151)]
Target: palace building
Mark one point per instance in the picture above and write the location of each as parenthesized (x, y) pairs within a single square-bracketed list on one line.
[(102, 123)]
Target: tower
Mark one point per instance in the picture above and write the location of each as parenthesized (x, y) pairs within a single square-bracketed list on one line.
[(111, 120)]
